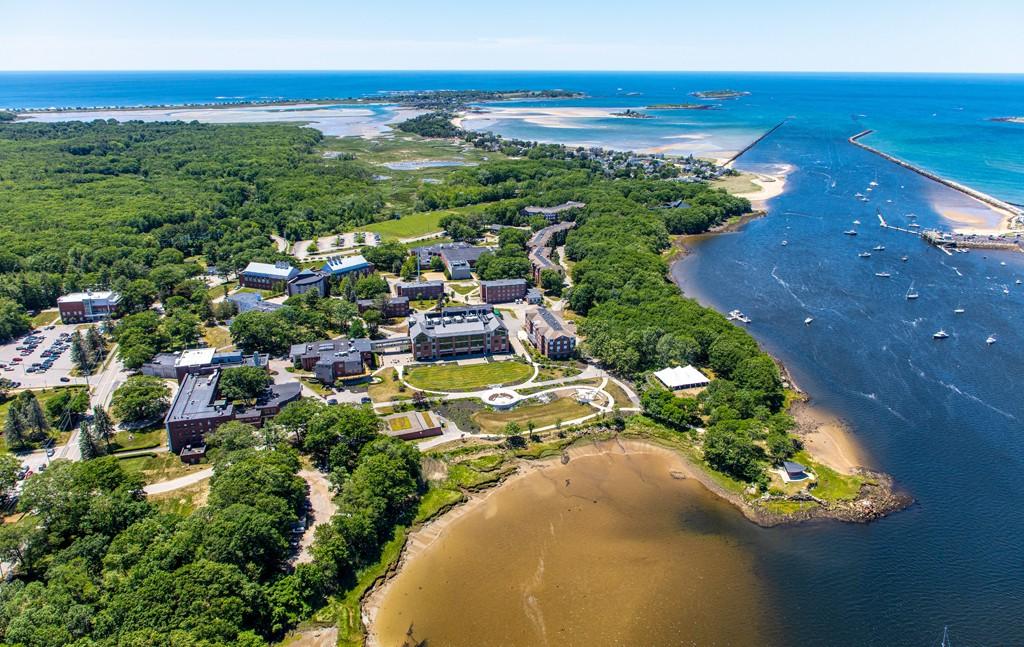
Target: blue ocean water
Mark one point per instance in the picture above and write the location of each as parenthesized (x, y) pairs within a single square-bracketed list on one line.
[(946, 418)]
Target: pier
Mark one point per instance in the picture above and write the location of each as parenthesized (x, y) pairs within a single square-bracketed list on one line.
[(729, 162), (1016, 215), (946, 241)]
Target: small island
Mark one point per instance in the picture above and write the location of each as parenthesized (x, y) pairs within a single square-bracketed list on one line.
[(632, 114), (719, 94), (684, 106)]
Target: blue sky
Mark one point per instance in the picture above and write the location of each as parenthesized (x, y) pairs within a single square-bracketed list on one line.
[(798, 35)]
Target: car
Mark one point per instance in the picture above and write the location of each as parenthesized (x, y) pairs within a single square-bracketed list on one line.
[(50, 451), (29, 473), (365, 400), (51, 327), (16, 360), (8, 368), (65, 378), (42, 468)]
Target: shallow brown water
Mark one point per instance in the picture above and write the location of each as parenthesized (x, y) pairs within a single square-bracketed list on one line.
[(609, 549)]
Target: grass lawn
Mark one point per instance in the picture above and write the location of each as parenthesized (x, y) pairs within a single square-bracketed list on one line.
[(218, 290), (45, 318), (159, 466), (217, 336), (184, 500), (317, 386), (556, 372), (831, 485), (388, 389), (124, 441), (415, 224), (618, 394), (452, 377), (564, 409), (423, 304), (736, 183), (462, 289)]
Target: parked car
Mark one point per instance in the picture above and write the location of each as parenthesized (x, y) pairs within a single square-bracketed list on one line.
[(50, 451), (65, 378), (365, 400)]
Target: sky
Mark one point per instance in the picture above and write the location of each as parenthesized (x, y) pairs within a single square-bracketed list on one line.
[(737, 35)]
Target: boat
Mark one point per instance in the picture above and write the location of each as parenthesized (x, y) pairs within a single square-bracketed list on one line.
[(882, 275), (856, 222), (785, 242), (904, 258), (808, 320), (911, 215), (942, 334), (850, 232), (736, 315), (1006, 290), (858, 195), (1017, 282), (872, 183), (991, 340), (879, 248), (865, 254), (914, 225), (912, 293), (1002, 262), (958, 311)]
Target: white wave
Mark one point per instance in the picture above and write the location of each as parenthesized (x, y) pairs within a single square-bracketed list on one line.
[(954, 389)]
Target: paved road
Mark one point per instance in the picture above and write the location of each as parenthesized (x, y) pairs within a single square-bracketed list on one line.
[(180, 482)]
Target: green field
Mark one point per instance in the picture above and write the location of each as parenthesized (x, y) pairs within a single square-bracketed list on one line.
[(564, 409), (452, 377), (388, 389), (158, 466), (124, 441), (416, 224), (45, 318)]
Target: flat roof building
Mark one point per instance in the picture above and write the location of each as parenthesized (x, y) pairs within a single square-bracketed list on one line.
[(412, 425), (552, 213), (340, 266), (331, 359), (503, 290), (79, 307), (420, 290), (267, 276), (457, 331), (309, 281)]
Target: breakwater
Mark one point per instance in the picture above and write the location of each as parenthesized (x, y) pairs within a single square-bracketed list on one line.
[(1016, 215), (729, 162)]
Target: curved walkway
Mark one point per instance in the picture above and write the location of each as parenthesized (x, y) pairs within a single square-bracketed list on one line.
[(178, 483)]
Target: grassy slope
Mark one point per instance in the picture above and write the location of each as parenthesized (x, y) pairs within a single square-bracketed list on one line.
[(452, 377)]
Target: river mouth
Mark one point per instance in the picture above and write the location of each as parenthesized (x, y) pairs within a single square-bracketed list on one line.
[(617, 546)]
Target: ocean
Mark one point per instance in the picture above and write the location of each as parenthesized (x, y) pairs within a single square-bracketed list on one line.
[(945, 418)]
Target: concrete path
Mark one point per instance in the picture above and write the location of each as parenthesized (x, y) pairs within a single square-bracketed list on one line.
[(178, 483)]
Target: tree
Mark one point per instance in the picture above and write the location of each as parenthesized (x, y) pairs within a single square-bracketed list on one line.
[(65, 408), (370, 286), (552, 282), (373, 320), (140, 398), (32, 413), (244, 383), (15, 429), (409, 268), (264, 332), (436, 264), (357, 330), (9, 468), (674, 349), (13, 320), (230, 437), (335, 435), (388, 255), (79, 355), (296, 416), (86, 444), (102, 427), (729, 448), (137, 295)]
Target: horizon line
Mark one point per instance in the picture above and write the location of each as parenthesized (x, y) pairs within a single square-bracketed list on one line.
[(501, 71)]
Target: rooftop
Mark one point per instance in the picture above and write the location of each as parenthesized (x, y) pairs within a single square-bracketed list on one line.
[(502, 283), (195, 357), (341, 264), (95, 295), (559, 208), (675, 377), (278, 270), (455, 321)]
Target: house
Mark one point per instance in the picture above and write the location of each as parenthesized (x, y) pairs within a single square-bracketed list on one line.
[(412, 425), (342, 266), (267, 276), (88, 306), (456, 331), (199, 361), (393, 307), (794, 471), (198, 409), (334, 358), (681, 377), (420, 290), (549, 335), (552, 214), (307, 281), (502, 291), (247, 301)]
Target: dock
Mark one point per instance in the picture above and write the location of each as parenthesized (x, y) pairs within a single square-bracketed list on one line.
[(1015, 213), (946, 241)]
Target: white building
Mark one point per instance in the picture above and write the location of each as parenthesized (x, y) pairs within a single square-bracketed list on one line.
[(681, 377)]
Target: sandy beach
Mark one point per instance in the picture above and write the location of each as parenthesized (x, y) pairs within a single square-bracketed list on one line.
[(979, 219), (828, 440)]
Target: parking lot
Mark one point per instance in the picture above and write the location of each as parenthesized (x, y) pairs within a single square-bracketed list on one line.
[(17, 365)]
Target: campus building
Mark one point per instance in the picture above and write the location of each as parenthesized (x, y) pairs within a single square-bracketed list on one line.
[(552, 214), (412, 425), (198, 409), (503, 291), (199, 361), (393, 307), (249, 301), (549, 335), (339, 267), (309, 281), (332, 359), (539, 254), (88, 306), (427, 253), (460, 261), (267, 276), (420, 290), (457, 331)]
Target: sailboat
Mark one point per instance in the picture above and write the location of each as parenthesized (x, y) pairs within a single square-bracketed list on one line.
[(850, 232), (856, 222), (879, 248), (808, 320), (991, 340), (904, 258), (912, 293)]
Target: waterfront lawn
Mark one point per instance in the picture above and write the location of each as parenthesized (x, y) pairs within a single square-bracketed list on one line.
[(564, 409), (471, 377), (736, 184), (831, 485), (389, 389)]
